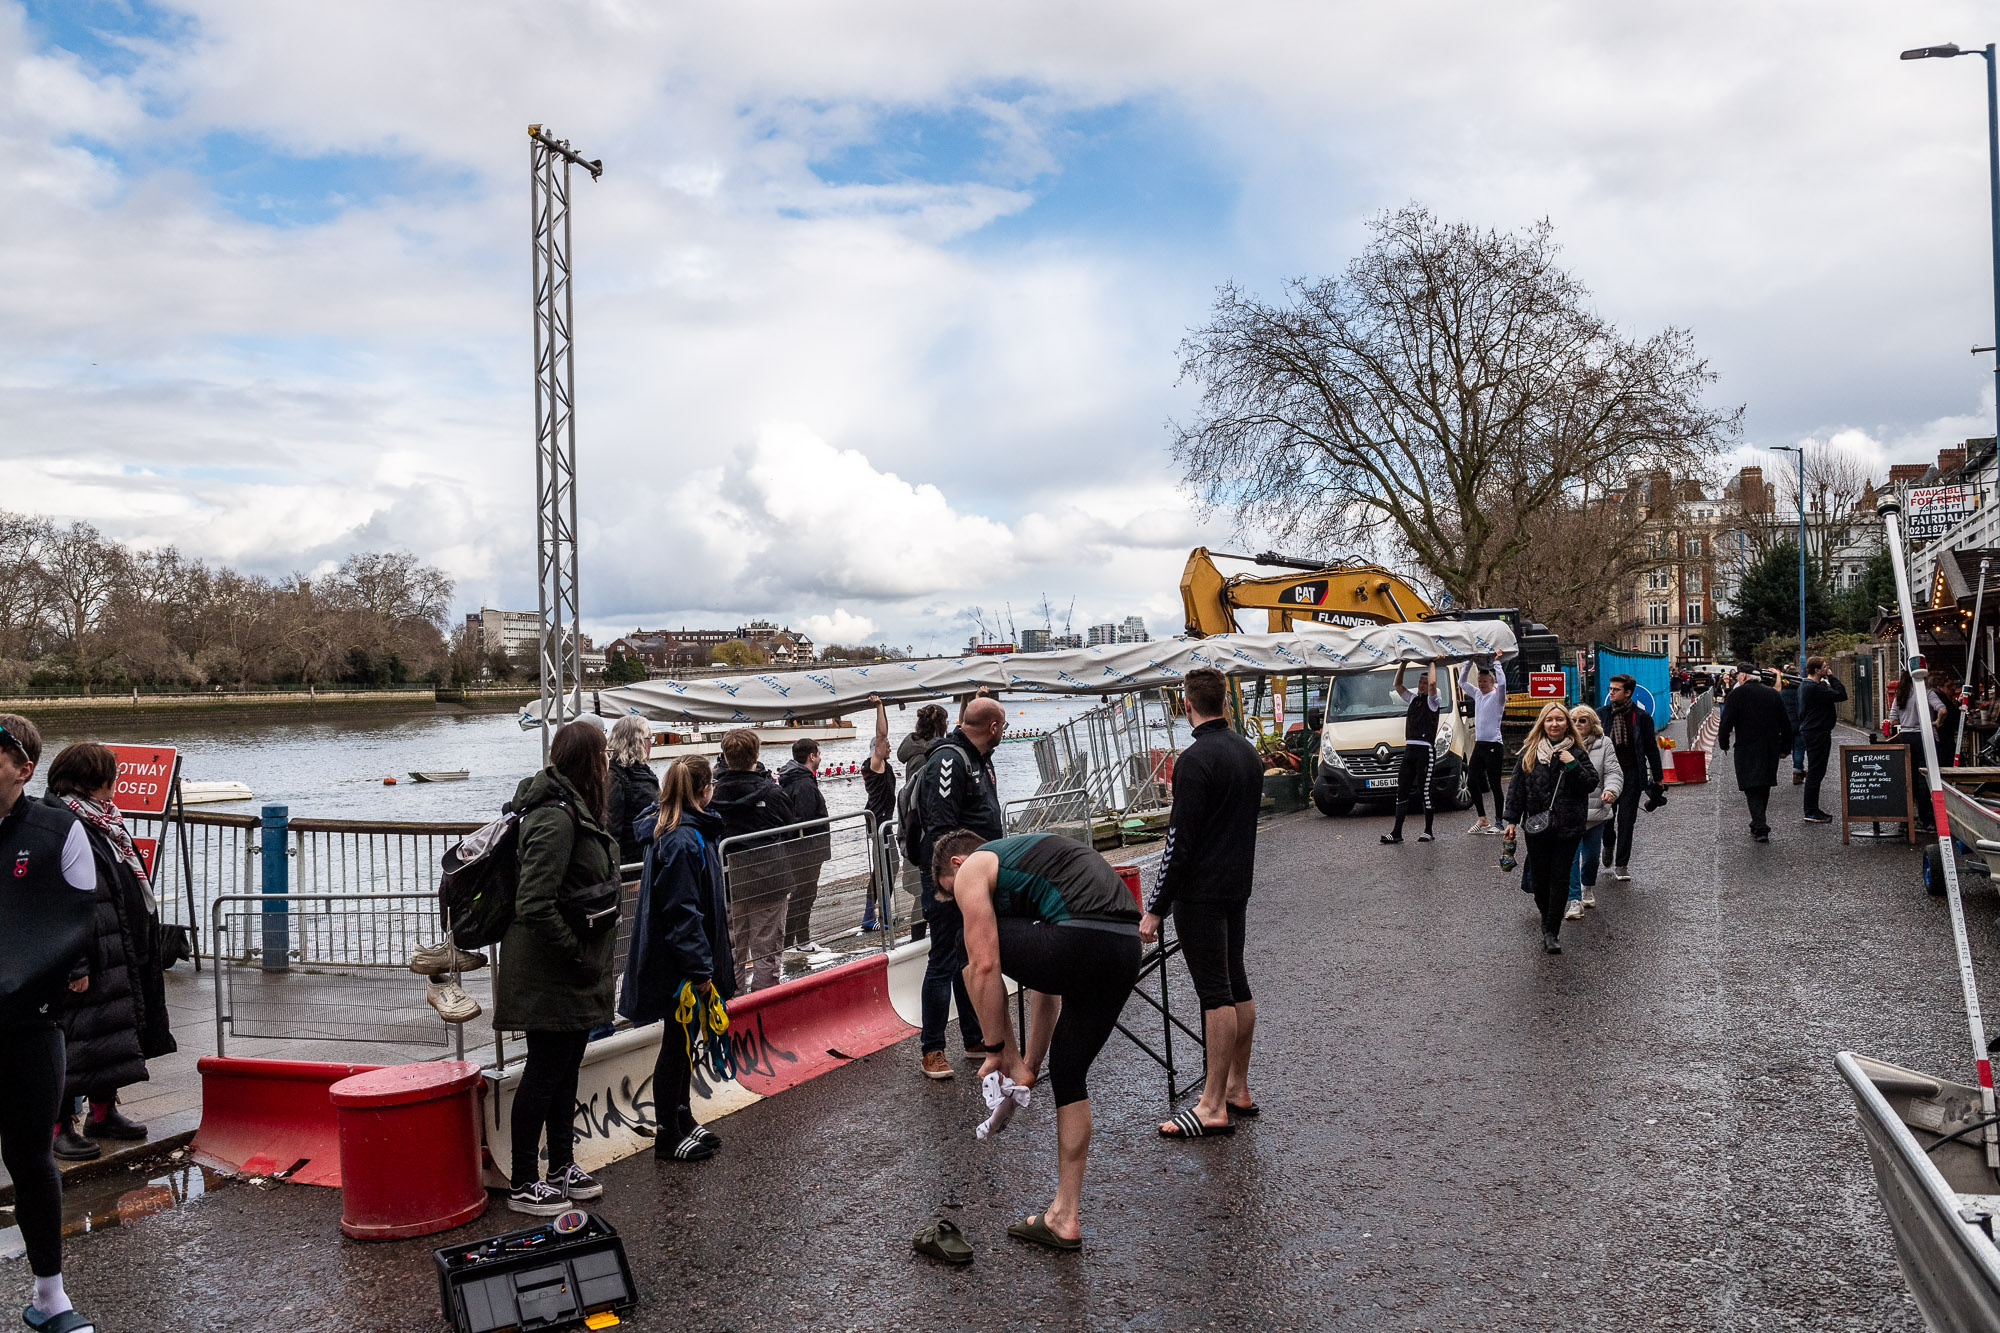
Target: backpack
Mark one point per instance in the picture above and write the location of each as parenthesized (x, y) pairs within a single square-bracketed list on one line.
[(476, 891), (910, 812)]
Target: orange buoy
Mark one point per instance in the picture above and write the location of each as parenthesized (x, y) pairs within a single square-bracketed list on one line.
[(388, 782)]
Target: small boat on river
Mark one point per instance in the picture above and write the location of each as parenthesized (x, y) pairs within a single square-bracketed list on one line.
[(440, 774), (212, 793)]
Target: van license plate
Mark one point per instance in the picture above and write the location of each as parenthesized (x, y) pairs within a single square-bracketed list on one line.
[(1380, 784)]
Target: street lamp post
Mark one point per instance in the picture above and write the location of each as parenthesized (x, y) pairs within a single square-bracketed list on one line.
[(1800, 451), (1946, 51)]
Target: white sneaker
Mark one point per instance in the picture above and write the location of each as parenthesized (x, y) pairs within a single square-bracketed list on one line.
[(1574, 911), (1619, 873), (436, 960), (809, 948), (1589, 895), (453, 1005)]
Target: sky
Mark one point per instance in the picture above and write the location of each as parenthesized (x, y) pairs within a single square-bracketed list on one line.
[(877, 303)]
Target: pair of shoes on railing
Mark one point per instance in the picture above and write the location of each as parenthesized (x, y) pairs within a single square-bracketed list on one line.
[(453, 1005), (437, 960)]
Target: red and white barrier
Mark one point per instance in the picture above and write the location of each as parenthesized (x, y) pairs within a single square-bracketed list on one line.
[(271, 1117)]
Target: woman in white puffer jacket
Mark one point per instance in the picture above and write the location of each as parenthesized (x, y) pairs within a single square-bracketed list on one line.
[(1583, 873)]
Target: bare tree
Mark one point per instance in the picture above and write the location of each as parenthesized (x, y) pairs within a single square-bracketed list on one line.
[(1454, 393), (25, 592), (1835, 481), (84, 571)]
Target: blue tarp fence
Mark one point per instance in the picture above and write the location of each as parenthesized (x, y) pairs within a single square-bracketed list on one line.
[(1654, 692)]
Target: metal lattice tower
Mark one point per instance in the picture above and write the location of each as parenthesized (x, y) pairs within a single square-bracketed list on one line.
[(561, 644)]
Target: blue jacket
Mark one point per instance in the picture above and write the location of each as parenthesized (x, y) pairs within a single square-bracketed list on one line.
[(680, 930)]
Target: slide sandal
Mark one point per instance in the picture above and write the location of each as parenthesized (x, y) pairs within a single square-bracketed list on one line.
[(1251, 1109), (1036, 1229), (1187, 1125), (69, 1321), (943, 1240)]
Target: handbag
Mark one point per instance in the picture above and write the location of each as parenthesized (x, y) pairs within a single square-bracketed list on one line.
[(1538, 823)]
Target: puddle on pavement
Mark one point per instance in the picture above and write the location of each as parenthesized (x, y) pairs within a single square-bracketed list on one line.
[(122, 1197)]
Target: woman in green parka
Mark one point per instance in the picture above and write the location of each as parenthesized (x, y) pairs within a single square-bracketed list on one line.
[(554, 979)]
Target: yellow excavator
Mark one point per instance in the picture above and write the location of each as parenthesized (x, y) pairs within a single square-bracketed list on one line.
[(1344, 734)]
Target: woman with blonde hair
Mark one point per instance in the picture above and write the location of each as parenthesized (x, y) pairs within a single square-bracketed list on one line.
[(680, 936), (1589, 729), (633, 786), (1546, 800)]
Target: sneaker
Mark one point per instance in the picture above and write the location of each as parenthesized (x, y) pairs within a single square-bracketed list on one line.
[(1622, 875), (1481, 827), (437, 960), (1798, 777), (537, 1198), (1589, 898), (1550, 944), (1574, 912), (979, 1052), (1819, 819), (73, 1147), (453, 1005), (693, 1148), (1392, 839), (1494, 830), (1425, 836), (114, 1124), (809, 948), (936, 1066), (576, 1183)]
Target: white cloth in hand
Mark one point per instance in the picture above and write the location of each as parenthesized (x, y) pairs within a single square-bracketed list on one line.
[(1003, 1097)]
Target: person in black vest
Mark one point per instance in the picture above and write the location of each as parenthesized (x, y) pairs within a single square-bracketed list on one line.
[(956, 790), (46, 947), (111, 1030), (878, 785), (1420, 728), (1755, 726), (1817, 697), (1204, 881)]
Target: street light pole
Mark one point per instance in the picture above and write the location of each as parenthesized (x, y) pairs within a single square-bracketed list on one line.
[(1800, 451), (1946, 51)]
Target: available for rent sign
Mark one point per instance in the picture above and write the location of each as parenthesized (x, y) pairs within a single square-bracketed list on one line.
[(1932, 511), (145, 772)]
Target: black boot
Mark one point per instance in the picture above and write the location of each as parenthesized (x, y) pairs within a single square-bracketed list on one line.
[(113, 1124), (1550, 944), (73, 1147)]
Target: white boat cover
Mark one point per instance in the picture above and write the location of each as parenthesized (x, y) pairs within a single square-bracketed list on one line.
[(1107, 669)]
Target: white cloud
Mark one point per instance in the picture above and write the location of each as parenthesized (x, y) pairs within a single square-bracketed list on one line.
[(840, 627)]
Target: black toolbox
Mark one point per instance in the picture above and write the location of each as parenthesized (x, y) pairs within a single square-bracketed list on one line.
[(560, 1273)]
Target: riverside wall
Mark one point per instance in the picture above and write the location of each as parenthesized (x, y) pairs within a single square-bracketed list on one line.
[(258, 702)]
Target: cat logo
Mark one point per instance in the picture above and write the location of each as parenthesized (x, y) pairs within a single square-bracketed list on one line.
[(1310, 593)]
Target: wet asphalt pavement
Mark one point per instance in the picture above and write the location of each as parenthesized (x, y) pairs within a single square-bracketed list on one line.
[(1459, 1132)]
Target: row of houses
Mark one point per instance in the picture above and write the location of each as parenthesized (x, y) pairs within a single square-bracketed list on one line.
[(1703, 545), (666, 649)]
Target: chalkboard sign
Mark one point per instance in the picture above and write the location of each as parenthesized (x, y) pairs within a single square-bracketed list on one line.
[(1875, 787)]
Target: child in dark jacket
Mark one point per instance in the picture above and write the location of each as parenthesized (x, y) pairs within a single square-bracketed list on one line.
[(680, 934)]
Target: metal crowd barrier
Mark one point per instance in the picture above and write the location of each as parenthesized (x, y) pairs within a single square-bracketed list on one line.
[(198, 857), (351, 1002), (1115, 753), (822, 881)]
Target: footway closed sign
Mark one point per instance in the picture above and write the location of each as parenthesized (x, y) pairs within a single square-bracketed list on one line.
[(145, 773)]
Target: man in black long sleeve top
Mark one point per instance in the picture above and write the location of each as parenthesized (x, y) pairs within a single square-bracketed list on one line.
[(1204, 881), (955, 790), (1817, 696)]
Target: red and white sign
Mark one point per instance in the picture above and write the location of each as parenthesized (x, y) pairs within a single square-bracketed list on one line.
[(147, 849), (145, 773), (1547, 685)]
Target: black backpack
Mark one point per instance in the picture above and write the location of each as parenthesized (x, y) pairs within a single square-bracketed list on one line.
[(481, 873)]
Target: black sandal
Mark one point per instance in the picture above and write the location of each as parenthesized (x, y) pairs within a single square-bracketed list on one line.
[(1187, 1125), (69, 1321), (943, 1240)]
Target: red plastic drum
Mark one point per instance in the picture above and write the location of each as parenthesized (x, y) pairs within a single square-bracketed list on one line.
[(409, 1149)]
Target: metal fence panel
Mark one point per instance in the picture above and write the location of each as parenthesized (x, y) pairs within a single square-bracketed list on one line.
[(820, 881)]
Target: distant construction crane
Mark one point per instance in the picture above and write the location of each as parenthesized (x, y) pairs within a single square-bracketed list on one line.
[(560, 646)]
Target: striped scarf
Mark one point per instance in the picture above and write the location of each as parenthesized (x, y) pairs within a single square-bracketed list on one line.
[(106, 820)]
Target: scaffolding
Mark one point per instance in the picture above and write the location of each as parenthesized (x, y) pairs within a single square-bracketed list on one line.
[(560, 645)]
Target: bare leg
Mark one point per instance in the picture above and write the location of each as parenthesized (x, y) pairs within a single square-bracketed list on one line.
[(1218, 1028), (1043, 1011), (1239, 1068), (1073, 1149)]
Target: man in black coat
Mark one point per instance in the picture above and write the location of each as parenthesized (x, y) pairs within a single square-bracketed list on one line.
[(1635, 742), (1753, 717), (748, 800), (1817, 697), (955, 789)]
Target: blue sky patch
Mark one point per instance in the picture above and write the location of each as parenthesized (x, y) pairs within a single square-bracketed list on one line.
[(102, 33)]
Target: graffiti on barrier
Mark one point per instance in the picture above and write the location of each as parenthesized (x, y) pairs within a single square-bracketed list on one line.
[(753, 1052), (625, 1107)]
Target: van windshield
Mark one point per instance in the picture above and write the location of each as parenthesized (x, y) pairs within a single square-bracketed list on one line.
[(1353, 698)]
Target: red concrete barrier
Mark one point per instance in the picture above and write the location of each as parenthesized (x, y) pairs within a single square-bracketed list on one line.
[(266, 1117), (800, 1029)]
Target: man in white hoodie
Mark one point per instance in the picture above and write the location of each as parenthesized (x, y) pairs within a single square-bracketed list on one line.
[(1483, 685)]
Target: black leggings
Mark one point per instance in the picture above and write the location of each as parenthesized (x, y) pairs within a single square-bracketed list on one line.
[(671, 1078), (1211, 936), (547, 1098), (1093, 970), (32, 1055), (1549, 858), (1487, 757)]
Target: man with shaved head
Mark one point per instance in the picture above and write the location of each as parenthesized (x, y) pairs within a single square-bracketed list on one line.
[(955, 790)]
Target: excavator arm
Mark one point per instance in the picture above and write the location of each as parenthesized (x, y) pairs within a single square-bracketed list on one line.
[(1344, 594)]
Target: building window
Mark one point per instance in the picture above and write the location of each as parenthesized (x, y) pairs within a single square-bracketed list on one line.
[(1656, 580), (1694, 583), (1656, 643), (1694, 645), (1694, 613), (1656, 613), (1694, 543)]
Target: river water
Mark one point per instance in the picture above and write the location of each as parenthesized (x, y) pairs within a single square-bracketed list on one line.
[(331, 765)]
